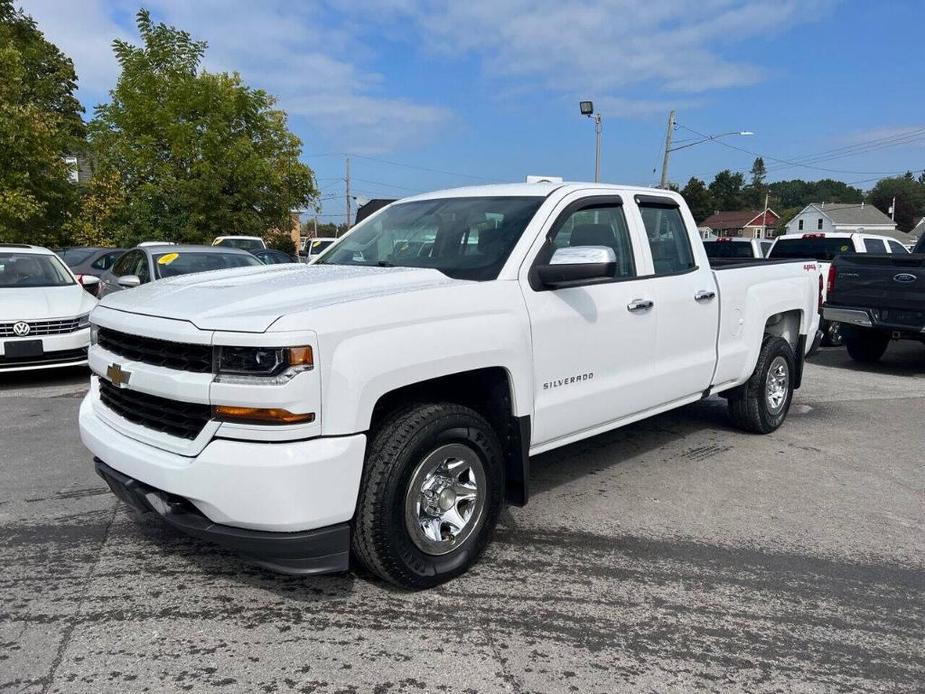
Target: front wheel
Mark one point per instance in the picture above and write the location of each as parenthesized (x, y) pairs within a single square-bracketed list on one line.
[(761, 404), (431, 493)]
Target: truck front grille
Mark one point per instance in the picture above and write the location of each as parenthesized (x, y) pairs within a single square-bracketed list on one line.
[(58, 326), (182, 419), (172, 355)]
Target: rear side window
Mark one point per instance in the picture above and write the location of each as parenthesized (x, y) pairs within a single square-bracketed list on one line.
[(874, 246), (106, 261), (668, 239), (125, 264), (818, 248), (603, 225), (897, 247)]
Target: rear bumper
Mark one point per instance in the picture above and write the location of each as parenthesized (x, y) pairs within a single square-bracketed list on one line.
[(871, 318), (322, 550)]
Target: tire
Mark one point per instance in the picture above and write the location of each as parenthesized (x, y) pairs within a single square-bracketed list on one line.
[(832, 335), (417, 455), (867, 346), (753, 406)]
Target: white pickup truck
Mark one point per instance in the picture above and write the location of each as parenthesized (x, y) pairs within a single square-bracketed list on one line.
[(383, 402)]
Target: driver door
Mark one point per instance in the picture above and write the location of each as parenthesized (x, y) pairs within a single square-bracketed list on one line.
[(592, 344)]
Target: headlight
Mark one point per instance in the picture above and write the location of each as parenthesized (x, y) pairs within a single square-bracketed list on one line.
[(94, 333), (83, 321), (266, 365)]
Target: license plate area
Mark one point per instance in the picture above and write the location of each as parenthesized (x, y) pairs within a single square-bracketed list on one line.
[(23, 348)]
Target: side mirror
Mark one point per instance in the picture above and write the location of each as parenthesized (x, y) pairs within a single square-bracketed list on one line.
[(90, 281), (578, 265), (129, 281)]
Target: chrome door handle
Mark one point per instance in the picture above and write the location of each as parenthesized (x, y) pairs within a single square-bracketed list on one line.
[(640, 305), (704, 295)]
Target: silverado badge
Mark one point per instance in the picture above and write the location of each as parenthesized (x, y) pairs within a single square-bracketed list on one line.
[(117, 376)]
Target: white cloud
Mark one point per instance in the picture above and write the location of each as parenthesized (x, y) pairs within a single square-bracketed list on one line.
[(288, 49)]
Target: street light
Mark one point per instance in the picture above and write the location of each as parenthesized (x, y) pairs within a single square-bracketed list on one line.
[(587, 109), (672, 124)]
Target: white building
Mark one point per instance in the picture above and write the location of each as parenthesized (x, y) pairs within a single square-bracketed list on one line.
[(843, 217)]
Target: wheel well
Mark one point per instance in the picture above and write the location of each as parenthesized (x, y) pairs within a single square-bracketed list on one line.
[(487, 391), (785, 324)]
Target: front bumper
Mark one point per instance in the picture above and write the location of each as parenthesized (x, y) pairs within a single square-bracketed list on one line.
[(275, 487), (66, 349), (323, 550)]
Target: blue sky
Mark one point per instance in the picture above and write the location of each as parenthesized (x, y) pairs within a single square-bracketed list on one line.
[(488, 90)]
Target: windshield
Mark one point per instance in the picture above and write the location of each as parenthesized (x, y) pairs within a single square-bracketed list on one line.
[(728, 249), (315, 246), (179, 263), (819, 248), (464, 238), (243, 244), (32, 270)]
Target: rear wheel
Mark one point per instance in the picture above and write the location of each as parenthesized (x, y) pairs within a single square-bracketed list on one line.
[(867, 346), (761, 404), (431, 494)]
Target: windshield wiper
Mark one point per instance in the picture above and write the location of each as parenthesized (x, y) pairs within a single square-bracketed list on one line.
[(385, 263)]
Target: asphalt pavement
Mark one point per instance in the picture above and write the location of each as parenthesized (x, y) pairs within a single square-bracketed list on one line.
[(673, 555)]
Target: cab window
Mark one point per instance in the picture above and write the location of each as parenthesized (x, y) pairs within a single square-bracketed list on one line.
[(874, 246), (668, 239), (603, 225)]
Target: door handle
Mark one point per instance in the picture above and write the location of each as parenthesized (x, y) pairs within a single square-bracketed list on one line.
[(704, 295), (639, 305)]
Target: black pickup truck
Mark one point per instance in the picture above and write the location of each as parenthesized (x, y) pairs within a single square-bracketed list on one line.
[(877, 298)]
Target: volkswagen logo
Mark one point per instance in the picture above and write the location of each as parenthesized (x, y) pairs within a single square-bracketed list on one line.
[(904, 277), (21, 328)]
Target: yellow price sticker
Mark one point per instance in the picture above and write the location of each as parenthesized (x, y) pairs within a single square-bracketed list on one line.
[(167, 259), (315, 244), (844, 248)]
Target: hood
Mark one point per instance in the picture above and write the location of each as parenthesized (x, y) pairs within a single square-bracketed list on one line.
[(251, 299), (39, 303)]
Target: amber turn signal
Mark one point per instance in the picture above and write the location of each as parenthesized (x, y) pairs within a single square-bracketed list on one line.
[(301, 356), (261, 415)]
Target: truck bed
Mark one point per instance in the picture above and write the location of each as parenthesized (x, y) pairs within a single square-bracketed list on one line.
[(884, 282)]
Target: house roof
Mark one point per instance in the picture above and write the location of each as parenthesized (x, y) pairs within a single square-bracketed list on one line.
[(737, 219), (852, 213)]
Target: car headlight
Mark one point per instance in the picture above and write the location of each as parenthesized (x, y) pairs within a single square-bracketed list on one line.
[(264, 365), (83, 321), (94, 333)]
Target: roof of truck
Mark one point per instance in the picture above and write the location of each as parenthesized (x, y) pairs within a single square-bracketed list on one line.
[(542, 189)]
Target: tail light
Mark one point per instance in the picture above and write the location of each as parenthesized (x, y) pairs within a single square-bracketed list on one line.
[(830, 285), (819, 303)]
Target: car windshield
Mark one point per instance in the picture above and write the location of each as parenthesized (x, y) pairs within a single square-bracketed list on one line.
[(819, 248), (243, 244), (728, 249), (75, 256), (464, 238), (32, 270), (176, 263), (315, 246)]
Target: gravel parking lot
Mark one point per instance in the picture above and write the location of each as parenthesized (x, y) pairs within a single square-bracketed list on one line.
[(675, 554)]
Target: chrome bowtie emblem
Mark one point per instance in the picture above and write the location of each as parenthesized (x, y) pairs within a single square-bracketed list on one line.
[(117, 376), (904, 277), (21, 328)]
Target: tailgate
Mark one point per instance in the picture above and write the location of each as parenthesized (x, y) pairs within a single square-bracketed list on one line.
[(879, 281)]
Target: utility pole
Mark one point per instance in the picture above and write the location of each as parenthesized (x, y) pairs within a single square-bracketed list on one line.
[(893, 210), (764, 216), (316, 226), (668, 135), (347, 190), (598, 129)]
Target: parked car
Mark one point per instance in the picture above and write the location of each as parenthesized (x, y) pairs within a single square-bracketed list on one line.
[(44, 312), (90, 262), (246, 243), (823, 247), (144, 264), (312, 248), (383, 404), (734, 247), (877, 298), (271, 256)]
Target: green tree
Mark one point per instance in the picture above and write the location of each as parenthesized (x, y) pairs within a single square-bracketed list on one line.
[(698, 198), (910, 199), (726, 190), (196, 154), (40, 124), (756, 188)]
